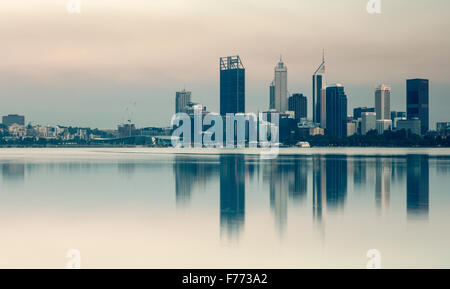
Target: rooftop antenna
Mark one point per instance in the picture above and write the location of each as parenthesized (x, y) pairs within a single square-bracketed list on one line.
[(323, 54)]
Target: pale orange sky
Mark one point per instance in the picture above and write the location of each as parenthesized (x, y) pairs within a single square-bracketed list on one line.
[(156, 47)]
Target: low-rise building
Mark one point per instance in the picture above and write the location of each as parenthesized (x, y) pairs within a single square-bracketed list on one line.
[(411, 125)]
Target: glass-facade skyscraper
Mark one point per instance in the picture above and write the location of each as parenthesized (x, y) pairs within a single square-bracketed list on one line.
[(417, 102), (232, 85), (297, 104), (318, 86), (336, 110)]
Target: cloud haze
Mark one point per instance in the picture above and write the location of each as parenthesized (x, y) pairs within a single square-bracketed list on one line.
[(85, 69)]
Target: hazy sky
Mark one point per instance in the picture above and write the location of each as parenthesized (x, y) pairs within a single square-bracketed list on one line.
[(86, 69)]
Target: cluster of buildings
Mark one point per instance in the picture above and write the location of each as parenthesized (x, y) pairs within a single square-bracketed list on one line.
[(329, 110), (329, 105), (13, 127)]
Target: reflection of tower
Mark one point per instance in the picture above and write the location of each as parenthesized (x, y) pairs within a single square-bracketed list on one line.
[(232, 194), (319, 188), (382, 184), (359, 173), (279, 176), (13, 171), (336, 180), (188, 172), (417, 186), (298, 183)]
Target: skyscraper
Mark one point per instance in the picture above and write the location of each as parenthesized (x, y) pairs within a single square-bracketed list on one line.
[(280, 87), (417, 102), (336, 110), (298, 104), (182, 99), (383, 102), (272, 95), (232, 85), (318, 86)]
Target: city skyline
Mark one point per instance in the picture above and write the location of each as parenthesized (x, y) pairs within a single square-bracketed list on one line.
[(79, 69)]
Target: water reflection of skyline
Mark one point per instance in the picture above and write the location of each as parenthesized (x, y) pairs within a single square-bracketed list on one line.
[(321, 182), (287, 181)]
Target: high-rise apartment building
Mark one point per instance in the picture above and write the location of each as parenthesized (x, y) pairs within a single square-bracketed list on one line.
[(182, 99)]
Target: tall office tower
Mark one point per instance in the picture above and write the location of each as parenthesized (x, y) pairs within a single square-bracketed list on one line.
[(272, 95), (232, 85), (383, 102), (417, 102), (336, 111), (318, 86), (182, 99), (298, 104), (280, 87)]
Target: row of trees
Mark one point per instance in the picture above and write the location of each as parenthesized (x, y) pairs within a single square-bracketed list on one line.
[(399, 138)]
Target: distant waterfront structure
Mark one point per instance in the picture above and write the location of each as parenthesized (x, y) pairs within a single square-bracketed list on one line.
[(182, 99), (357, 112), (272, 95), (280, 87), (383, 125), (368, 122), (317, 95), (336, 110), (298, 104), (417, 102), (410, 125), (383, 102), (443, 128), (232, 85), (11, 119)]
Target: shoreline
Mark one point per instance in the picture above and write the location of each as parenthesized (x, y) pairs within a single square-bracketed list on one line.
[(142, 152)]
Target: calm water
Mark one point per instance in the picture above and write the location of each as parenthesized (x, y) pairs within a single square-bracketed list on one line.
[(187, 211)]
